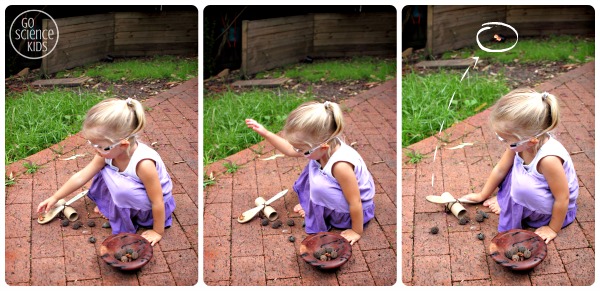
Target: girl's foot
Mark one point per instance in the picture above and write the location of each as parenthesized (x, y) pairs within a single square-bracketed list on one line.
[(492, 203), (96, 210), (298, 209)]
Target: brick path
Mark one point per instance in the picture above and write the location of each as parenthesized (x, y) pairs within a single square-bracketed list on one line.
[(455, 256), (251, 254), (52, 255)]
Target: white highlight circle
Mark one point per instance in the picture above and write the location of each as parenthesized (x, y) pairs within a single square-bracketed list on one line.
[(486, 28), (10, 35)]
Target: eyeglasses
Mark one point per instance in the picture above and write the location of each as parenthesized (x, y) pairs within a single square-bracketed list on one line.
[(310, 151), (108, 148), (516, 144)]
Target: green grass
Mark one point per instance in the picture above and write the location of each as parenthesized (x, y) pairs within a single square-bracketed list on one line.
[(358, 68), (224, 129), (565, 48), (37, 120), (160, 67), (425, 100)]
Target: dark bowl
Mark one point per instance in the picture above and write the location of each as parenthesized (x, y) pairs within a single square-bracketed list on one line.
[(320, 240), (123, 241), (504, 241)]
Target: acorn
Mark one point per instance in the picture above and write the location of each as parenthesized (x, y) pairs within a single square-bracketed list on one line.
[(291, 238), (119, 254), (124, 259), (290, 222), (92, 239), (480, 236), (521, 249), (276, 224), (129, 251), (76, 225), (91, 223), (434, 230), (328, 250), (318, 253), (64, 222), (479, 217), (264, 222), (527, 254), (324, 258), (516, 258), (134, 255), (334, 255), (463, 220)]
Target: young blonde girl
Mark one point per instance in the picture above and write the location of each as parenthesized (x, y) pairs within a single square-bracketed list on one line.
[(335, 189), (131, 186), (538, 186)]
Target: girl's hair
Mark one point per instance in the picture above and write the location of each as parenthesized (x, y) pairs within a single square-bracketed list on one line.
[(525, 113), (314, 123), (114, 119)]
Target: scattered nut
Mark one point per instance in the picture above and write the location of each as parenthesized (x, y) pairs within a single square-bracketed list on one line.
[(434, 230), (291, 238), (290, 222), (91, 223), (92, 239), (480, 236), (64, 222), (479, 217), (463, 220), (276, 224), (77, 225), (106, 225), (264, 222)]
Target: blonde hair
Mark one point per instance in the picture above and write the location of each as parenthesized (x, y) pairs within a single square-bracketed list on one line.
[(314, 123), (114, 119), (525, 113)]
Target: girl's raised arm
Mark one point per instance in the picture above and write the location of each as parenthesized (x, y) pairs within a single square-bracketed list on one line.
[(277, 141)]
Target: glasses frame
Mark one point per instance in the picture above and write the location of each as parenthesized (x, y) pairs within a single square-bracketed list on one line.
[(110, 147), (312, 150), (516, 144)]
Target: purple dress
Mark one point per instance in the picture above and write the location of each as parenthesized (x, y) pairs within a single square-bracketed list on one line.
[(122, 197), (524, 196), (321, 196)]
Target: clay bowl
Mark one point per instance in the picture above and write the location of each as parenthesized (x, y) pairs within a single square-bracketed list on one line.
[(116, 242), (504, 241), (320, 240)]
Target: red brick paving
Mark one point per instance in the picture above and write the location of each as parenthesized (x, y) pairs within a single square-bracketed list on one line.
[(49, 254), (255, 255), (455, 256)]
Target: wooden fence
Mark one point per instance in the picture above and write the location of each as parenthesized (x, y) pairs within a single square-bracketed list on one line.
[(87, 39), (451, 27), (275, 42)]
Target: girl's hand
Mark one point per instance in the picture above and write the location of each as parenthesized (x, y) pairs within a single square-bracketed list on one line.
[(350, 235), (152, 236), (47, 204), (546, 233), (251, 123)]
